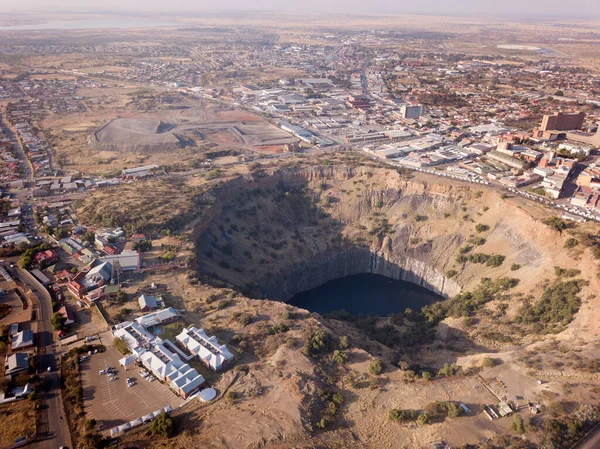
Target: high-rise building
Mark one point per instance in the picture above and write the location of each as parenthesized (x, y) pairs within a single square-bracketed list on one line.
[(411, 111), (560, 121)]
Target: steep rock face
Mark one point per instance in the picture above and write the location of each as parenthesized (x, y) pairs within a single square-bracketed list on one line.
[(308, 274)]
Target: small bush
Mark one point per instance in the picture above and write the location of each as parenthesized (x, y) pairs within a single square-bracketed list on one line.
[(488, 362), (399, 415), (571, 243), (120, 345), (495, 260), (376, 367), (449, 370), (481, 227), (515, 266), (451, 273), (343, 342), (556, 223), (517, 424)]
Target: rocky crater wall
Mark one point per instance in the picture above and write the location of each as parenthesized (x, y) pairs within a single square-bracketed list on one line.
[(308, 274)]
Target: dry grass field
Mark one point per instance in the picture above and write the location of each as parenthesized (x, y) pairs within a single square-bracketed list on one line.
[(18, 419)]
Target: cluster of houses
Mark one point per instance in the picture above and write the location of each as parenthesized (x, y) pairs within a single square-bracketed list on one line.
[(166, 360), (21, 343)]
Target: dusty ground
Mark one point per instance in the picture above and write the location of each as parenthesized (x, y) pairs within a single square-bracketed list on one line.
[(18, 421), (276, 398)]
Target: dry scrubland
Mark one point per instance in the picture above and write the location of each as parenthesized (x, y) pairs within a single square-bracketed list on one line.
[(532, 320)]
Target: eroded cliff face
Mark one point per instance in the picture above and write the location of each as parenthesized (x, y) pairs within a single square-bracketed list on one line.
[(307, 274), (295, 229)]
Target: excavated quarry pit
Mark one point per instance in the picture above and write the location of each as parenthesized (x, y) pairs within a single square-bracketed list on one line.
[(275, 235), (272, 235)]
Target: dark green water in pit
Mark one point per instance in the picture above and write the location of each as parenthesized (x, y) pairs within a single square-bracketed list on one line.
[(363, 294)]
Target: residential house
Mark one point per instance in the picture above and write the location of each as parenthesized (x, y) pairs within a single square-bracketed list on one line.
[(22, 340)]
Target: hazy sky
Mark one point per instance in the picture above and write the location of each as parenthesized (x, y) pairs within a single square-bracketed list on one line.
[(570, 8)]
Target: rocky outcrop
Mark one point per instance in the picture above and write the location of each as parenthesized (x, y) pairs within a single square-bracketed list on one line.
[(305, 275)]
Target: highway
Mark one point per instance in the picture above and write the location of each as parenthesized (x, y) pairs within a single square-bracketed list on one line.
[(52, 420)]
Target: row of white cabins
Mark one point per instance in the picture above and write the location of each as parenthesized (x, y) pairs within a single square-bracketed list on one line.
[(166, 360)]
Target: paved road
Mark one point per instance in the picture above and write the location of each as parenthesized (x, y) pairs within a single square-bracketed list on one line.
[(52, 417)]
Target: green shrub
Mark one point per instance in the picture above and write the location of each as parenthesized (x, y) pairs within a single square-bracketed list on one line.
[(481, 227), (423, 419), (376, 367), (163, 426), (120, 345), (461, 258), (477, 241), (495, 260), (556, 307), (556, 223), (318, 342), (399, 415), (478, 258), (515, 266), (571, 243), (449, 370), (488, 362), (450, 409), (517, 424), (339, 357), (343, 342), (451, 273)]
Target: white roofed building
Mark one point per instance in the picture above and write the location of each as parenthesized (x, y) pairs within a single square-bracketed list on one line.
[(213, 354)]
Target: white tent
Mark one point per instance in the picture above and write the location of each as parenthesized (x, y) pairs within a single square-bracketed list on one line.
[(148, 417), (135, 423), (127, 360), (114, 431), (208, 394), (124, 427), (167, 409)]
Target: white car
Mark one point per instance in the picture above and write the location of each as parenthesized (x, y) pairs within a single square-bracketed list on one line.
[(102, 371)]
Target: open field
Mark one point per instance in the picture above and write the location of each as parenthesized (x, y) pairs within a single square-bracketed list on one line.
[(18, 420)]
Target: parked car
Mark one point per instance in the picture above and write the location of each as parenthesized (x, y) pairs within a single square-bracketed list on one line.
[(102, 371)]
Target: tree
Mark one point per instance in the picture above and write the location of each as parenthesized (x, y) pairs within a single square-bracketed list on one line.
[(163, 425), (121, 296), (61, 233), (376, 367), (448, 370), (517, 424), (58, 322), (339, 357), (143, 246), (89, 237)]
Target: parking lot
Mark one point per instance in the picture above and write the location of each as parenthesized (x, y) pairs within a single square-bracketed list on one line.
[(112, 402)]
